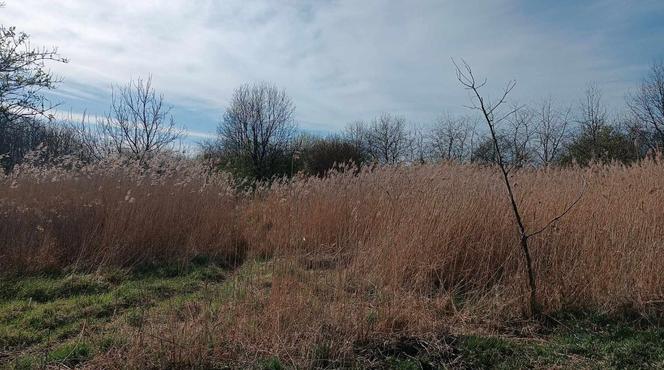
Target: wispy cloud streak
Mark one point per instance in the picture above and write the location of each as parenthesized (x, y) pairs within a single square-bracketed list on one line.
[(341, 60)]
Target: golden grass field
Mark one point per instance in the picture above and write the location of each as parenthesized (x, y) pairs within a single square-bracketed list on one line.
[(350, 260)]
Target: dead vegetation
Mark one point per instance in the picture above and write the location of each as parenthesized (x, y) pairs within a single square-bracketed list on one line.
[(341, 268)]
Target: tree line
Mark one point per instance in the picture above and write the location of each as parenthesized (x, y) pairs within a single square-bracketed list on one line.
[(257, 136)]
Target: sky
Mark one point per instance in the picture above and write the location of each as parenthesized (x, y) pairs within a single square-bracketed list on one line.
[(341, 60)]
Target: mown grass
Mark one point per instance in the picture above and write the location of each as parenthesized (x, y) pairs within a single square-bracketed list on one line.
[(72, 320)]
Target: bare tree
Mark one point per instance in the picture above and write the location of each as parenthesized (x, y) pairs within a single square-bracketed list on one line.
[(258, 127), (493, 116), (647, 105), (514, 140), (593, 141), (643, 139), (453, 138), (485, 150), (46, 140), (95, 144), (520, 134), (550, 132), (593, 116), (388, 140), (356, 134), (139, 123), (419, 144)]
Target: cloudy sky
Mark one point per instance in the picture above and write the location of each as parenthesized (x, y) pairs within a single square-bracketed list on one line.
[(342, 60)]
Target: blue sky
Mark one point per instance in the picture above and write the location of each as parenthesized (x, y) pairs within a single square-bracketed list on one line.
[(342, 60)]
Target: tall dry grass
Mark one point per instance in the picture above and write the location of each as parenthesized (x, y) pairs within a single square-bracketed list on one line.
[(421, 229), (397, 251), (448, 227), (73, 216)]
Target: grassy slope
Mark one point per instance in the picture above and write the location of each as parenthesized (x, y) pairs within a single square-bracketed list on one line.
[(68, 320)]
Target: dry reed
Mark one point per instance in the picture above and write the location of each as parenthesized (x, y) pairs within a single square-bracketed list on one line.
[(392, 252)]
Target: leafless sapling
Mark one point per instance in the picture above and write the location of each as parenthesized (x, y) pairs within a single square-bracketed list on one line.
[(493, 116)]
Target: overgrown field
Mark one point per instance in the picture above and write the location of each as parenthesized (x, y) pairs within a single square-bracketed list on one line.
[(111, 265)]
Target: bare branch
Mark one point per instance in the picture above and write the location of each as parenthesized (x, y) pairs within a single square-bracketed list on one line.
[(562, 214)]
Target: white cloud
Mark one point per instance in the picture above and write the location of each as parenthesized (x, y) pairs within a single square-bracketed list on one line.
[(340, 60), (92, 119)]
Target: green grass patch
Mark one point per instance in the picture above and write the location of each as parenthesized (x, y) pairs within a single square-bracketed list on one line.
[(70, 354), (612, 342), (40, 316), (575, 341), (41, 289)]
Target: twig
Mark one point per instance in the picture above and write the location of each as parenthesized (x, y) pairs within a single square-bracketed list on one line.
[(557, 218)]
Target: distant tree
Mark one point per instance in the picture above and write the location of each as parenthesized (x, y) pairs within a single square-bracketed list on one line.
[(513, 140), (387, 139), (24, 76), (485, 152), (94, 143), (597, 140), (420, 145), (647, 106), (256, 131), (355, 133), (23, 79), (453, 138), (604, 145), (139, 123), (592, 118), (59, 141), (643, 139), (551, 132), (48, 141), (520, 132), (333, 153)]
